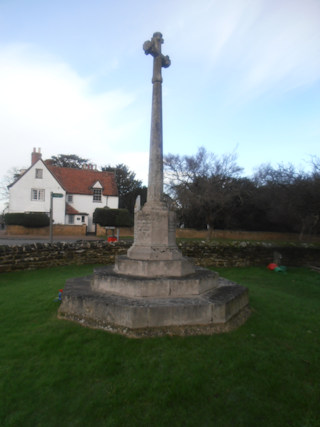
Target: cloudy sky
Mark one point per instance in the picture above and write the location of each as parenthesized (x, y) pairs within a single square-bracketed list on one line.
[(244, 76)]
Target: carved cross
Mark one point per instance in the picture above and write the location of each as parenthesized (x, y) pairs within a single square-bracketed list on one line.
[(153, 47)]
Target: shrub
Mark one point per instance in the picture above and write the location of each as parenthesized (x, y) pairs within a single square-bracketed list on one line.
[(112, 217), (30, 220), (124, 219)]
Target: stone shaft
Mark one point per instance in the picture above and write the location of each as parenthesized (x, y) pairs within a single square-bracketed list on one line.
[(155, 180), (154, 252)]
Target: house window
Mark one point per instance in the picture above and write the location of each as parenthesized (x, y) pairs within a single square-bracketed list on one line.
[(37, 194), (70, 219), (70, 198), (39, 173), (97, 195)]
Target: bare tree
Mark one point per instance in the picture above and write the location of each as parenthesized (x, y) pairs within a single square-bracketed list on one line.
[(315, 162), (290, 198), (10, 177), (203, 184)]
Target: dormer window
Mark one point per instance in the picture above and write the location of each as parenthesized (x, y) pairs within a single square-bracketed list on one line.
[(39, 173), (70, 198), (97, 193)]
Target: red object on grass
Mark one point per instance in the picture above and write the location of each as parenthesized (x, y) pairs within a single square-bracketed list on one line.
[(112, 239), (272, 266)]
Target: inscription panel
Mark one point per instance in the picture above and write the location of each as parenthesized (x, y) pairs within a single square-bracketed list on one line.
[(142, 228)]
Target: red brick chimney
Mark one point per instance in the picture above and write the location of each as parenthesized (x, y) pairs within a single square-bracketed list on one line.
[(35, 156)]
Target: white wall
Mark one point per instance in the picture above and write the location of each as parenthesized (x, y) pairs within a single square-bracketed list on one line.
[(20, 194), (20, 198), (85, 204), (113, 202)]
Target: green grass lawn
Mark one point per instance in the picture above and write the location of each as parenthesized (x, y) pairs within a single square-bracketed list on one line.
[(56, 373)]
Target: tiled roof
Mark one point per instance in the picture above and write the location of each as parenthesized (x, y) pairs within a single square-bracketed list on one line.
[(80, 181), (71, 211)]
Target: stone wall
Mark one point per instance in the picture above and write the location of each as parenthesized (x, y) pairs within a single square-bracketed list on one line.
[(188, 233), (233, 254), (245, 253), (244, 235), (42, 255), (58, 230)]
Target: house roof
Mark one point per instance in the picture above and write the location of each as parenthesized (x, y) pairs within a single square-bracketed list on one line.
[(70, 210), (81, 181)]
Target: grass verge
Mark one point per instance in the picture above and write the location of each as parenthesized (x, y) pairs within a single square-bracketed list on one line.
[(56, 373)]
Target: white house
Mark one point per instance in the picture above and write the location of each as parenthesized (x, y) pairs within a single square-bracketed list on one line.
[(83, 190)]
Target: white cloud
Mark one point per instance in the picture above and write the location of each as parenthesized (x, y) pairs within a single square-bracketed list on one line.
[(44, 103), (250, 46), (137, 162), (286, 51)]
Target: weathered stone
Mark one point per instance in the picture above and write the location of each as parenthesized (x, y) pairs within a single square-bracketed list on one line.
[(218, 310), (154, 287), (154, 251), (107, 280), (153, 268), (204, 254)]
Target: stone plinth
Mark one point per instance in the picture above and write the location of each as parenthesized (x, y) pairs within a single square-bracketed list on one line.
[(220, 310), (106, 280), (153, 268), (154, 252), (154, 226)]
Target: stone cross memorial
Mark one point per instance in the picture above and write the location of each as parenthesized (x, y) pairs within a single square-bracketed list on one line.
[(154, 252), (153, 289)]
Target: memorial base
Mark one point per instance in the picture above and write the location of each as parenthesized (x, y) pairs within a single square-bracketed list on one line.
[(222, 308)]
